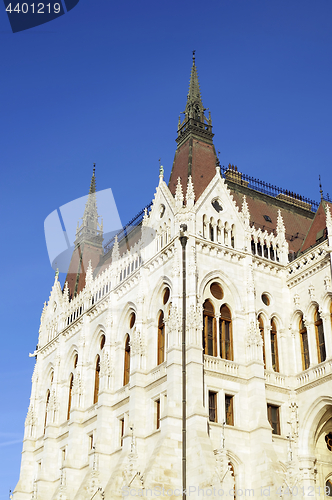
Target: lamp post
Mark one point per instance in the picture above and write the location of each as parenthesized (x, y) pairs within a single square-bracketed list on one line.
[(183, 241)]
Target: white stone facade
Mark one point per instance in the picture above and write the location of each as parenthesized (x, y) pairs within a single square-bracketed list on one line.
[(85, 456)]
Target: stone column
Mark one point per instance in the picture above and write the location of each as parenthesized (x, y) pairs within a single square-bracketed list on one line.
[(326, 318), (308, 472), (312, 342)]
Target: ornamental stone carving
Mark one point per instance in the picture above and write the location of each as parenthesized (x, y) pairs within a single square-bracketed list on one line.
[(254, 337)]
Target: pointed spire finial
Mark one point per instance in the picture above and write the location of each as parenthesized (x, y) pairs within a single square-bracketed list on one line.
[(245, 211), (281, 231), (179, 194), (89, 275), (320, 189), (190, 195), (115, 251), (328, 220), (194, 52)]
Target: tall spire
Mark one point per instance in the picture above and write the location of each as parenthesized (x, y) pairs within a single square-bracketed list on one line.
[(195, 155), (194, 100), (90, 229), (194, 121)]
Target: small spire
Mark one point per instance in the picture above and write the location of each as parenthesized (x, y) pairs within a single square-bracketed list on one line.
[(328, 220), (115, 251), (89, 275), (245, 211), (161, 170), (194, 52), (179, 194), (190, 195), (281, 231), (320, 189)]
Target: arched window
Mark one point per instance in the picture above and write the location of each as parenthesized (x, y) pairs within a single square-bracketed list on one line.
[(46, 409), (102, 342), (97, 377), (225, 333), (261, 330), (209, 329), (304, 345), (71, 383), (320, 337), (274, 346), (161, 338), (126, 374), (328, 488)]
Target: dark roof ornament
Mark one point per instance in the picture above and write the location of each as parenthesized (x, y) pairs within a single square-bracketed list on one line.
[(93, 181), (320, 189)]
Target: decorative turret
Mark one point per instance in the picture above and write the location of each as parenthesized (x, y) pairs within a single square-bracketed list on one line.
[(195, 155)]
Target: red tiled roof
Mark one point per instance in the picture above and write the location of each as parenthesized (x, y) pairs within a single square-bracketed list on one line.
[(203, 165), (297, 220), (317, 225)]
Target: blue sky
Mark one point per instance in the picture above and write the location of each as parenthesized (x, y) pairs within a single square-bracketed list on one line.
[(105, 83)]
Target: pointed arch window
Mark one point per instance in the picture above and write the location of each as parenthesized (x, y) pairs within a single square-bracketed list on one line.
[(209, 329), (46, 409), (261, 330), (126, 374), (320, 337), (225, 333), (97, 378), (274, 346), (161, 338), (71, 383), (304, 345)]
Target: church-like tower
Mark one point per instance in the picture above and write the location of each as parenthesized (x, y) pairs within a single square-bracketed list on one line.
[(195, 154), (88, 243), (105, 413)]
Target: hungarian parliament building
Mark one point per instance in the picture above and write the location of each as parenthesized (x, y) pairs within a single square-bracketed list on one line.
[(190, 355)]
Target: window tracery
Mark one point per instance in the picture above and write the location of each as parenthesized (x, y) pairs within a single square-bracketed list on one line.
[(217, 328)]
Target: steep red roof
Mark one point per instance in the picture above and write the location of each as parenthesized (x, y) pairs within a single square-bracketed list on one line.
[(195, 158), (317, 230)]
